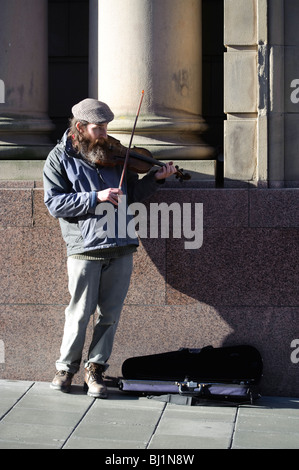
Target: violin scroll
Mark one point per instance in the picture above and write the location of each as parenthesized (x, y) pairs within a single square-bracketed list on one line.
[(181, 175)]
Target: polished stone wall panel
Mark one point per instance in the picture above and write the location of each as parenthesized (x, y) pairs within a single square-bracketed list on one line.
[(240, 286), (16, 208)]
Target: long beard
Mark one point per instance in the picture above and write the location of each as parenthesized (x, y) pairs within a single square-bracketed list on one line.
[(93, 152)]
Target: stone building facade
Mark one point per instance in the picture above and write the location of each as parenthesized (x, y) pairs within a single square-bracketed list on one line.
[(221, 83)]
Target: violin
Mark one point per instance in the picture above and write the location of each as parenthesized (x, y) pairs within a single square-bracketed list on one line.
[(140, 160)]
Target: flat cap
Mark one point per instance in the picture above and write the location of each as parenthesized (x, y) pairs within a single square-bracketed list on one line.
[(92, 111)]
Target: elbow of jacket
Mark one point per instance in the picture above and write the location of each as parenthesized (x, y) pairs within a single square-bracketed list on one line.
[(53, 213), (52, 210)]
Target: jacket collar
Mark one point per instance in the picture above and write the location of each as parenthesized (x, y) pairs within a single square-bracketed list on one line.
[(66, 143)]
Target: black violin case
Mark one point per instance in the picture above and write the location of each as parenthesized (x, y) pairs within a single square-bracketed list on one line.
[(188, 375)]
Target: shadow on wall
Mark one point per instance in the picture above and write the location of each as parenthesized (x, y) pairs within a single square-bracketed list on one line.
[(239, 287)]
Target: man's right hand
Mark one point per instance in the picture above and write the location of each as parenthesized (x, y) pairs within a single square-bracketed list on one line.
[(109, 194)]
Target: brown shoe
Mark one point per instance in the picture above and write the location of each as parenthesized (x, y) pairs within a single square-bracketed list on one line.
[(94, 383), (62, 381)]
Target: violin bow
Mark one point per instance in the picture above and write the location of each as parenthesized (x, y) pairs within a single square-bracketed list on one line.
[(131, 139)]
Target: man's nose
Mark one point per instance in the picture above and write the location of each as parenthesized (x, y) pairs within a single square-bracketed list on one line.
[(103, 133)]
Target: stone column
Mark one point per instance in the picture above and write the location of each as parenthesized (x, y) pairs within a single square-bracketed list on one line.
[(24, 124), (153, 46)]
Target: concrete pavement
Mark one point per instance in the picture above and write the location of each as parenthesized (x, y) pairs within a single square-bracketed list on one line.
[(32, 416)]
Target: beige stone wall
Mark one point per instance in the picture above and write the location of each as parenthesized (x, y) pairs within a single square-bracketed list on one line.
[(245, 85), (261, 92)]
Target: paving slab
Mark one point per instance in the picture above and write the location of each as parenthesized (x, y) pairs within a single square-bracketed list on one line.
[(194, 428), (33, 416), (38, 418), (271, 424), (119, 422)]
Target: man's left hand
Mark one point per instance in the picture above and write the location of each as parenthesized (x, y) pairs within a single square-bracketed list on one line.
[(165, 171)]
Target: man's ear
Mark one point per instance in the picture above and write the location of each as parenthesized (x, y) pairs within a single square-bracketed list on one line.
[(78, 127)]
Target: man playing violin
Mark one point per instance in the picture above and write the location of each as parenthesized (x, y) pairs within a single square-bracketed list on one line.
[(76, 183)]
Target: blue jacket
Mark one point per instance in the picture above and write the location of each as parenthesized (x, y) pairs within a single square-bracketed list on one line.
[(70, 186)]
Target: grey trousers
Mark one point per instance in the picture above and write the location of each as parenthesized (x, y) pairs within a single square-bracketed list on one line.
[(93, 285)]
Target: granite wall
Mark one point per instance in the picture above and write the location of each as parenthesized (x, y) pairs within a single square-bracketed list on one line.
[(241, 286)]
